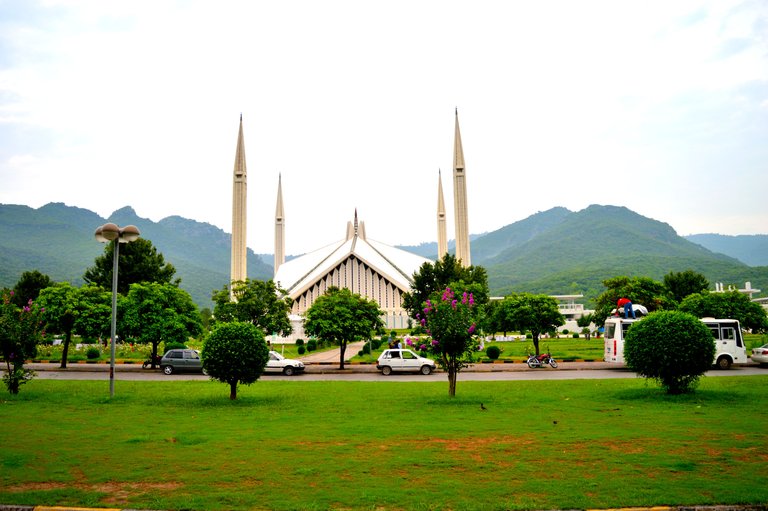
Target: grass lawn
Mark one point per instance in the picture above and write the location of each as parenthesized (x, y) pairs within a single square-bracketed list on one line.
[(384, 445)]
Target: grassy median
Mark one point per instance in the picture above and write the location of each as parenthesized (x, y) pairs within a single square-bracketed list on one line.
[(384, 445)]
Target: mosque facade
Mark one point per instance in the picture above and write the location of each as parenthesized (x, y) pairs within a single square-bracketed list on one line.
[(372, 269)]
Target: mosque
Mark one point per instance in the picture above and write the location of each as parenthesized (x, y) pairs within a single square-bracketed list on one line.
[(366, 267)]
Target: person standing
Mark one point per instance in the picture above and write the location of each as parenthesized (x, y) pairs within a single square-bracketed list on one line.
[(626, 303)]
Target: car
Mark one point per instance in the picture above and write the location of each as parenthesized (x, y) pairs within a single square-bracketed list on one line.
[(403, 360), (279, 364), (760, 355), (182, 360)]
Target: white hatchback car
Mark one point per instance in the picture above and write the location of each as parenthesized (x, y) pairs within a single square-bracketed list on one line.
[(403, 360), (760, 355), (279, 364)]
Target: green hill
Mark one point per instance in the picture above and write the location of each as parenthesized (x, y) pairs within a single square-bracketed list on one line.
[(749, 249), (58, 240)]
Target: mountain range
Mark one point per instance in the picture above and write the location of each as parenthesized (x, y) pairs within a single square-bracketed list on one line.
[(555, 251)]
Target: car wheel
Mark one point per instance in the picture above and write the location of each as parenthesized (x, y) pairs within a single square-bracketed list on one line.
[(724, 363), (386, 370), (288, 370), (168, 369), (426, 370)]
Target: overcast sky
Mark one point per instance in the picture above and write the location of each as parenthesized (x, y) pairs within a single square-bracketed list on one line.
[(659, 106)]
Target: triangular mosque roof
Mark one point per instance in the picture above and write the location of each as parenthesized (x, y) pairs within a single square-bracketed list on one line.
[(397, 265)]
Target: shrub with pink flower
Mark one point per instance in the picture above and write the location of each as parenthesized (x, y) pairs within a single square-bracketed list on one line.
[(20, 333), (451, 325)]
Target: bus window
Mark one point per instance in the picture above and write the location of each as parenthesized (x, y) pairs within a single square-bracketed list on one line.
[(728, 334), (610, 330), (715, 331)]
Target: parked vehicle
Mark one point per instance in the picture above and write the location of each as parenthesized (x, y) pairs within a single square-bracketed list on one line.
[(279, 364), (403, 360), (541, 360), (181, 360), (760, 355), (726, 334)]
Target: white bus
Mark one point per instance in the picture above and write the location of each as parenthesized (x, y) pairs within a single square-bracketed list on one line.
[(726, 333)]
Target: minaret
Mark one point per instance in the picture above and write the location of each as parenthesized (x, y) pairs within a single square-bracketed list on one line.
[(460, 199), (238, 271), (442, 236), (279, 226)]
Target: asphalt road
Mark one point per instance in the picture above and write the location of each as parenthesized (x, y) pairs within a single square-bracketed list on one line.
[(324, 372)]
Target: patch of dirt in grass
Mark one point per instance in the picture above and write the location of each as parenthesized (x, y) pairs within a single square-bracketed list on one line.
[(116, 493)]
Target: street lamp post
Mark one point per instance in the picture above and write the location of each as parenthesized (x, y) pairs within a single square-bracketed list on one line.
[(116, 235)]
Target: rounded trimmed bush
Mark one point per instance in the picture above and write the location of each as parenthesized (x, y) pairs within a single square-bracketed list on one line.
[(575, 335), (299, 342), (235, 353), (671, 347), (493, 352), (92, 353), (173, 345), (302, 350), (311, 345)]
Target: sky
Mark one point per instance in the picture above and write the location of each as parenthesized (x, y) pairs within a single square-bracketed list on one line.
[(658, 106)]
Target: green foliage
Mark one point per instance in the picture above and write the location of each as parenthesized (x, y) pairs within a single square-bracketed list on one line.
[(311, 345), (139, 262), (235, 353), (301, 349), (671, 347), (682, 284), (29, 286), (527, 312), (20, 333), (575, 335), (450, 323), (153, 313), (173, 345), (728, 305), (299, 342), (432, 279), (258, 302), (493, 352), (92, 353), (340, 316), (641, 290)]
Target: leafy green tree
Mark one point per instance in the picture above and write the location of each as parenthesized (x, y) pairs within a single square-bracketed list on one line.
[(450, 323), (255, 301), (584, 322), (432, 279), (20, 333), (682, 284), (728, 305), (528, 312), (641, 290), (29, 286), (139, 261), (671, 347), (153, 313), (340, 316), (235, 353), (86, 311)]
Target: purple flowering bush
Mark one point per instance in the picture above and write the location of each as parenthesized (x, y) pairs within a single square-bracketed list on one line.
[(20, 333), (450, 323)]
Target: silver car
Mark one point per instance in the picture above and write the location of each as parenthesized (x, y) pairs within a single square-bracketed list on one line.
[(181, 360)]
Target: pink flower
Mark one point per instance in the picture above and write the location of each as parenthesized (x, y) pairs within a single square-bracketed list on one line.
[(471, 329), (408, 341), (453, 304), (435, 342), (423, 347)]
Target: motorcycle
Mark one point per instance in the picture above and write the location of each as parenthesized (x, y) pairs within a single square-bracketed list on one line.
[(544, 359), (148, 362)]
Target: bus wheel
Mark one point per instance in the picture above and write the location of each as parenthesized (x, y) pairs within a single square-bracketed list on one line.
[(724, 363)]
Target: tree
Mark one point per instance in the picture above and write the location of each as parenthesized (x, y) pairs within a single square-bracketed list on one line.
[(139, 261), (728, 305), (432, 279), (584, 323), (258, 302), (20, 333), (29, 286), (671, 347), (528, 312), (60, 303), (154, 313), (641, 290), (450, 323), (682, 284), (235, 353), (340, 316)]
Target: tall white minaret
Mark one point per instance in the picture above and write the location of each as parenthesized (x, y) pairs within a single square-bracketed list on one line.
[(238, 270), (279, 226), (442, 233), (460, 199)]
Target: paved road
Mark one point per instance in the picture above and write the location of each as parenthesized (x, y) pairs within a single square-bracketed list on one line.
[(356, 372)]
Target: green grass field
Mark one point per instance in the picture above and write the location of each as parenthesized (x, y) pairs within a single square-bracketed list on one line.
[(384, 445)]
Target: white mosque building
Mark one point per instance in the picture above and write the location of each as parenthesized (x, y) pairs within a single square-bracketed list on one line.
[(372, 269)]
